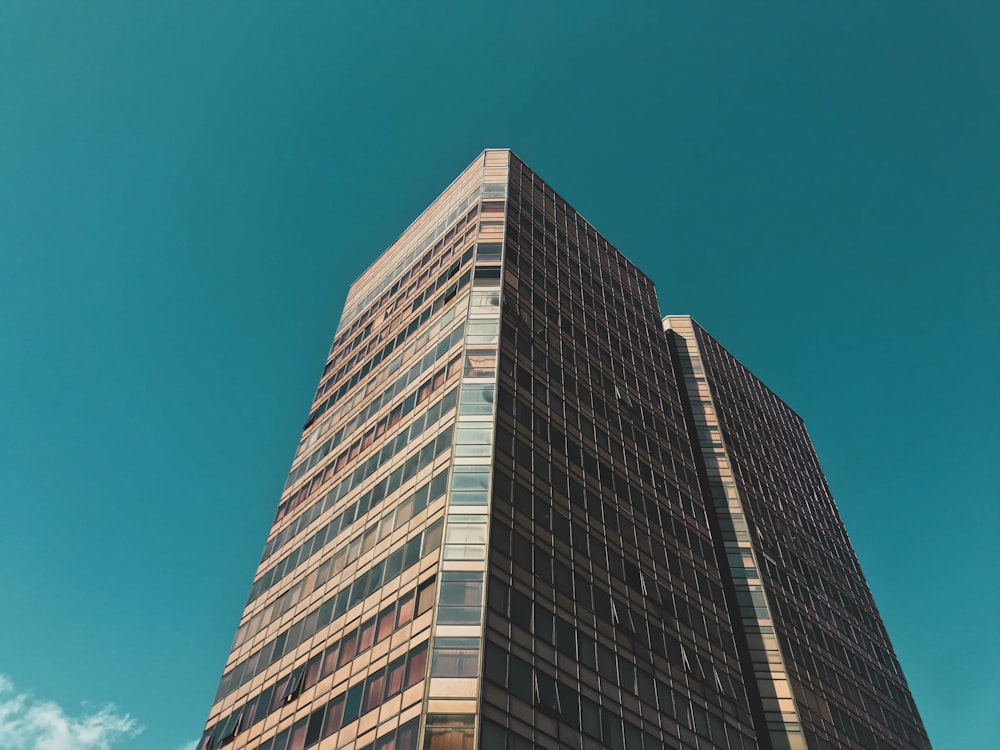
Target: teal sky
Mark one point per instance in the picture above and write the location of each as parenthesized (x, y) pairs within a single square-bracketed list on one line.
[(187, 189)]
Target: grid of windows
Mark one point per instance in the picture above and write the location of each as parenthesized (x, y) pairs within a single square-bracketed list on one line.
[(357, 590), (402, 442), (846, 681), (414, 504), (330, 717), (370, 403), (604, 581), (404, 671), (501, 529)]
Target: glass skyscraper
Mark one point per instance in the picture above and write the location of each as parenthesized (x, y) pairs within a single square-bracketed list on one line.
[(527, 512)]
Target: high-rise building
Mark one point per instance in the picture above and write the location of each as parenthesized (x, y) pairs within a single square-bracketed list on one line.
[(527, 512)]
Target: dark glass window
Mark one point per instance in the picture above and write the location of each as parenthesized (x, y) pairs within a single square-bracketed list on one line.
[(569, 706), (520, 610), (315, 728), (520, 682), (461, 598), (455, 657), (352, 703), (591, 715), (495, 667)]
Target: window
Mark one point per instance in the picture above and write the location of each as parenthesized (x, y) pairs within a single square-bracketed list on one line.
[(495, 667), (425, 596), (230, 728), (374, 690), (386, 621), (366, 636), (489, 251), (545, 694), (566, 637), (334, 716), (449, 732), (465, 538), (297, 739), (406, 736), (315, 727), (352, 702), (479, 363), (521, 683), (455, 657), (405, 611), (611, 730), (312, 671), (471, 478), (485, 300), (590, 712), (348, 648), (482, 332), (569, 705), (294, 686), (461, 598), (416, 668), (395, 674), (473, 442)]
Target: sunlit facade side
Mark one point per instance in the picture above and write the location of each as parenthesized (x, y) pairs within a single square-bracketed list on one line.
[(334, 645)]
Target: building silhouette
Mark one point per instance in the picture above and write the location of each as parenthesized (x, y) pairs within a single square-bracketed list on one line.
[(527, 512)]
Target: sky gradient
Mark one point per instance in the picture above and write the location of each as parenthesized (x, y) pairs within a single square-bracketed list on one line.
[(187, 190)]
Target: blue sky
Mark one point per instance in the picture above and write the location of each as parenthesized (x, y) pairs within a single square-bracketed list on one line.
[(187, 189)]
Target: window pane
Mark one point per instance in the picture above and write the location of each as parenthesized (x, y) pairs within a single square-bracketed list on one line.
[(330, 660), (449, 732), (374, 689), (473, 436), (385, 623), (478, 497), (460, 600), (455, 657), (479, 363), (406, 738), (334, 717), (352, 703), (366, 636), (480, 480), (315, 726), (466, 530), (416, 669), (405, 612), (348, 648), (394, 677)]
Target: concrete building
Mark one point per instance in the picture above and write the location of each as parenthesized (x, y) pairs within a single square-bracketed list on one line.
[(527, 512)]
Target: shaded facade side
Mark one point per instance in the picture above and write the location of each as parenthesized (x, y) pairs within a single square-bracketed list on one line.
[(606, 624), (848, 687)]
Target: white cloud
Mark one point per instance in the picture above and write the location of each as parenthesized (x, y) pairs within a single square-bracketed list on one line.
[(28, 723), (192, 745)]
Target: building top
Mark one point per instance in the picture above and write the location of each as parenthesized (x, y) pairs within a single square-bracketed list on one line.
[(465, 190)]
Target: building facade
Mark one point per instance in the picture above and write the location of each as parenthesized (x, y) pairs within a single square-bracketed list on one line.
[(527, 512)]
